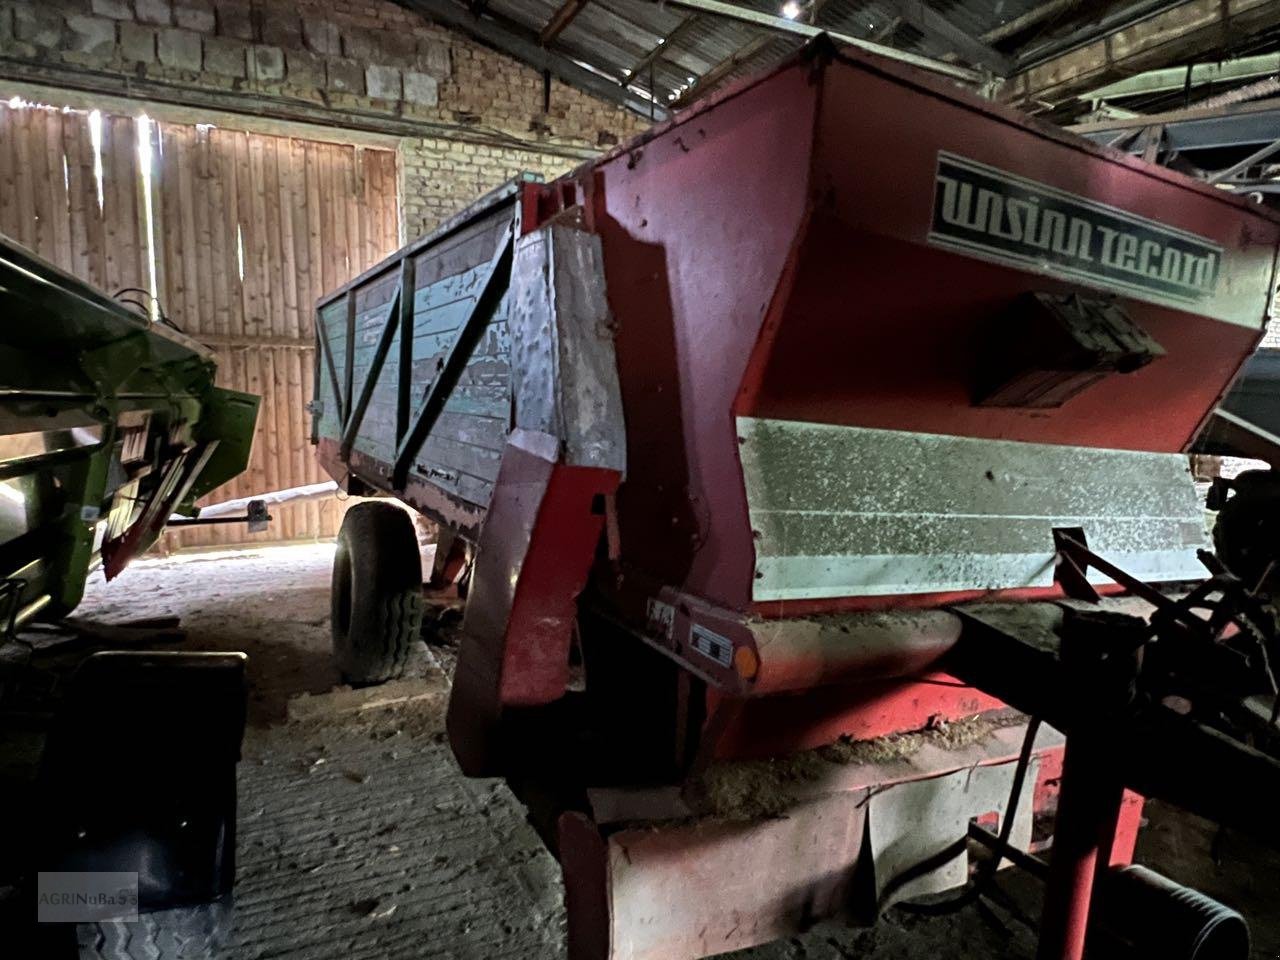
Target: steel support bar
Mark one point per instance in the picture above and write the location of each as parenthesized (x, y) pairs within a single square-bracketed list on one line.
[(1256, 157), (486, 300), (206, 521), (1197, 128), (1018, 857), (783, 25), (351, 426), (1176, 78), (1081, 558)]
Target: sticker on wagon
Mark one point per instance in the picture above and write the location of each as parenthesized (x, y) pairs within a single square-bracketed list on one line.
[(711, 645), (995, 215)]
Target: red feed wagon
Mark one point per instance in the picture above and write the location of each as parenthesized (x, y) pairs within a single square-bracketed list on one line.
[(779, 450)]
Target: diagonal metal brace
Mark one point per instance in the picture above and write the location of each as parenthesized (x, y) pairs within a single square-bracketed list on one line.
[(326, 348), (391, 323), (491, 291)]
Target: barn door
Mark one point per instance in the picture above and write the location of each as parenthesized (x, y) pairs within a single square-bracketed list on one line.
[(251, 231), (238, 233), (69, 190)]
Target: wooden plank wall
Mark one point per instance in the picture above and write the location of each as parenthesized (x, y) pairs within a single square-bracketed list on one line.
[(49, 193), (252, 230), (249, 231)]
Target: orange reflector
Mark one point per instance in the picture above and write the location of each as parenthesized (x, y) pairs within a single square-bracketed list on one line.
[(746, 663)]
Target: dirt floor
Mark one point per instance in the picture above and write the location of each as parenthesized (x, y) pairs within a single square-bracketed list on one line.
[(360, 839)]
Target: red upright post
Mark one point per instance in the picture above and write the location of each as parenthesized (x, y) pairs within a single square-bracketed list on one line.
[(1088, 810)]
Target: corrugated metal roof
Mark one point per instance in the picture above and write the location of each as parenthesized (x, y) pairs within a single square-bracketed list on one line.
[(673, 54)]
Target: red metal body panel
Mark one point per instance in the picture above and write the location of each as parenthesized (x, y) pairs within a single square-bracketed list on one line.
[(867, 274), (692, 887), (777, 725), (767, 255), (690, 273), (533, 559)]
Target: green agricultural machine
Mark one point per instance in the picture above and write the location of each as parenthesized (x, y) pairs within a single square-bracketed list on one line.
[(109, 424)]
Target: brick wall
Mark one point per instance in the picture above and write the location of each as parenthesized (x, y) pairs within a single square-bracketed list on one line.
[(438, 177), (367, 60)]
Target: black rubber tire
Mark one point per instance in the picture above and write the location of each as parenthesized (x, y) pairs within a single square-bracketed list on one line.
[(376, 600), (198, 932)]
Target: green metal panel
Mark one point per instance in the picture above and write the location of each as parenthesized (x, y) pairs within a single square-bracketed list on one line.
[(107, 423)]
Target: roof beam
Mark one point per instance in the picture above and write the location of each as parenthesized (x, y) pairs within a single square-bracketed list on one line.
[(736, 59), (1121, 18), (795, 27), (1195, 128), (509, 39), (1178, 33), (1029, 19), (942, 31), (561, 19), (708, 80), (659, 48), (1175, 78)]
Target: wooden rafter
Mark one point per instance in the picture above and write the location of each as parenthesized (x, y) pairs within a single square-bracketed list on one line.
[(728, 65), (743, 54), (564, 16)]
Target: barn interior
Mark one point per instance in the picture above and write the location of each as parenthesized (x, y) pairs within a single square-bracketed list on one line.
[(629, 480)]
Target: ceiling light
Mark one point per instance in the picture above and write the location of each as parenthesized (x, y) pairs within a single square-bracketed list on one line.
[(791, 9)]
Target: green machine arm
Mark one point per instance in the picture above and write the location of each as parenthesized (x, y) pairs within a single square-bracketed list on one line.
[(109, 423)]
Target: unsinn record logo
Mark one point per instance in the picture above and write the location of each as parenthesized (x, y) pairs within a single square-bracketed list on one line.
[(996, 215)]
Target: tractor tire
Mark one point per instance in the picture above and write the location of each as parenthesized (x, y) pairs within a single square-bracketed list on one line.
[(376, 601), (200, 932)]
